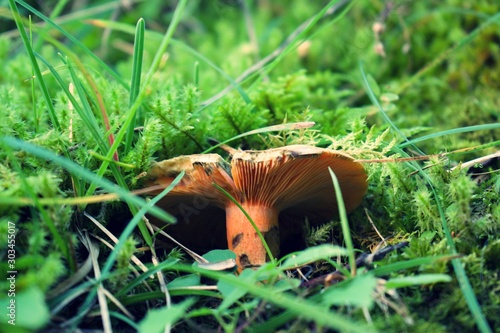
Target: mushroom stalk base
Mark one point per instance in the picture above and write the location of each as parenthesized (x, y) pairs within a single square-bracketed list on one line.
[(242, 238)]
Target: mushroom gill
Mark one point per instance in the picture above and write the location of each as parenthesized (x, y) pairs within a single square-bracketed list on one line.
[(293, 179)]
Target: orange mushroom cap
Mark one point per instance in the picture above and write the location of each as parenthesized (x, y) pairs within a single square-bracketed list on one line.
[(292, 180)]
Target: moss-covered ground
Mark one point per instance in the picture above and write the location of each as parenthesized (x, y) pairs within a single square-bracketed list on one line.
[(91, 95)]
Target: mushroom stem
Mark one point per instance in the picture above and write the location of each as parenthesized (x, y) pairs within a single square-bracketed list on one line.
[(244, 240)]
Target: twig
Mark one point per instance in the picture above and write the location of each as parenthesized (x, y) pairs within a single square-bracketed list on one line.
[(251, 319), (161, 277), (94, 253), (363, 260), (118, 304), (479, 160), (374, 227)]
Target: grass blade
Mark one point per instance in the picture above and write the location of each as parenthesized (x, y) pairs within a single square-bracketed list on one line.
[(34, 63), (259, 233), (482, 127), (402, 265), (460, 273), (135, 84), (346, 231), (375, 102), (50, 22), (81, 172), (156, 36), (149, 206), (440, 58), (142, 92), (10, 144), (267, 129), (295, 305)]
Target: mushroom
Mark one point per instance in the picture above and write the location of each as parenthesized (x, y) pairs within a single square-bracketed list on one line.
[(270, 185)]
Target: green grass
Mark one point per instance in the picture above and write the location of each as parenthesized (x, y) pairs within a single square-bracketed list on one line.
[(90, 98)]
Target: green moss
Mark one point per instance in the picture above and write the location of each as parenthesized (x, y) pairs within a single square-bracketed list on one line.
[(319, 83)]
